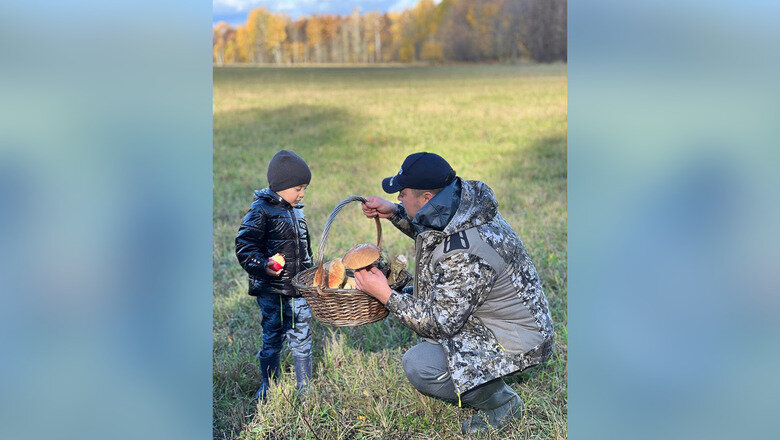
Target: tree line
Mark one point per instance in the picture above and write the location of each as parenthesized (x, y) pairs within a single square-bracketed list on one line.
[(453, 30)]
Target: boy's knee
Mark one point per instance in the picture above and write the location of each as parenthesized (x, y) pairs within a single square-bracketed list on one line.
[(270, 321), (300, 343)]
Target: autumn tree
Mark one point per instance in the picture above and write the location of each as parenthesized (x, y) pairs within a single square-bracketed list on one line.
[(372, 28), (457, 34), (450, 30), (386, 38), (265, 34), (423, 25), (330, 26), (480, 16), (244, 45), (314, 37), (508, 31), (295, 41), (356, 43), (223, 34), (544, 28)]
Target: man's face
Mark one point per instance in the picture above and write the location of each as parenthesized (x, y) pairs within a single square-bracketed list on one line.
[(412, 202)]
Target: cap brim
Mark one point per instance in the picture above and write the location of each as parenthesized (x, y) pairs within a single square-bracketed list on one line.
[(392, 184)]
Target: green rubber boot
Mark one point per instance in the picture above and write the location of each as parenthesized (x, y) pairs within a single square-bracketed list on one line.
[(494, 416)]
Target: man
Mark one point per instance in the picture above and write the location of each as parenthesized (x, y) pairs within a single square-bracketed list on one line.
[(476, 301)]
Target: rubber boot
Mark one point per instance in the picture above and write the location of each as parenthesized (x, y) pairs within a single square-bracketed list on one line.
[(270, 369), (495, 411), (302, 374)]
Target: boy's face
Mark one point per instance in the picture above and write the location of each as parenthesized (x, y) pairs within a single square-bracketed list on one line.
[(293, 195), (412, 202)]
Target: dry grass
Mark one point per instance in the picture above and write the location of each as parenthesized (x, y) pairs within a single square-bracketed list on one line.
[(505, 125)]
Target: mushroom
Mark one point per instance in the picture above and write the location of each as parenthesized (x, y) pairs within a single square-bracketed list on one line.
[(361, 255), (350, 283), (336, 274)]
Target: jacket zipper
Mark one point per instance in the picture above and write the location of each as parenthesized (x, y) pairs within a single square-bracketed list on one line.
[(416, 261), (297, 259)]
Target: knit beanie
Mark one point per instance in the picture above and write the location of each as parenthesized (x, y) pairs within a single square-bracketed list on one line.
[(287, 170)]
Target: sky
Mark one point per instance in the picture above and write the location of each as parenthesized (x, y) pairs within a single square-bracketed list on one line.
[(235, 11)]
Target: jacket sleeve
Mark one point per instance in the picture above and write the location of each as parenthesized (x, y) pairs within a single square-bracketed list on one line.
[(308, 247), (251, 250), (401, 221), (462, 282)]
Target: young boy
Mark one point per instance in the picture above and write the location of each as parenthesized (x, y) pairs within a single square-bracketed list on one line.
[(275, 224)]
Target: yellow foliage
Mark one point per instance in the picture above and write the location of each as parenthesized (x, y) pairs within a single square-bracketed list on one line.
[(265, 32), (406, 52), (432, 51), (275, 32), (314, 31), (244, 45)]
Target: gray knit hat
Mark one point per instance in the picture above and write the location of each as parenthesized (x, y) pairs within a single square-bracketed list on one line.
[(287, 170)]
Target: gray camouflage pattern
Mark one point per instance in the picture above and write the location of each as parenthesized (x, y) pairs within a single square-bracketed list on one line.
[(446, 294)]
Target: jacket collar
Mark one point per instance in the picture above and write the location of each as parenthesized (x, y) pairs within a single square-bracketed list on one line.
[(274, 198), (437, 213)]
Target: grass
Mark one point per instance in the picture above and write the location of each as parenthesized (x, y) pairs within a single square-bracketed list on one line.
[(504, 125)]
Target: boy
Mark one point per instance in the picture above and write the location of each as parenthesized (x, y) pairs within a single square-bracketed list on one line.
[(275, 224)]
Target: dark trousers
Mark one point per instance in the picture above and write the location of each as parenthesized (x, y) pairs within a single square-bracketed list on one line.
[(425, 366), (285, 316)]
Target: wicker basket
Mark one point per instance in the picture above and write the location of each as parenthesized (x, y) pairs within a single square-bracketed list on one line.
[(343, 307)]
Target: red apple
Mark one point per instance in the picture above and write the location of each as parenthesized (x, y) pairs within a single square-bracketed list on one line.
[(277, 261)]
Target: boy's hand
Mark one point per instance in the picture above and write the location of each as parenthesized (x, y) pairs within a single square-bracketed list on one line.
[(376, 206), (272, 273), (373, 282)]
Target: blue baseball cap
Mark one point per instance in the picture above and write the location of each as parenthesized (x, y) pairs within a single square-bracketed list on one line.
[(420, 171)]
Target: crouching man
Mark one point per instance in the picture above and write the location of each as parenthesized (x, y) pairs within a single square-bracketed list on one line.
[(477, 301)]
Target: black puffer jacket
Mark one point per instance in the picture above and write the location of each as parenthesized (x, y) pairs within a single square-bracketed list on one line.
[(273, 226)]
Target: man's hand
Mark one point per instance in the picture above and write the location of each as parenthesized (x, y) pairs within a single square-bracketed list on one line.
[(377, 206), (271, 272), (374, 283)]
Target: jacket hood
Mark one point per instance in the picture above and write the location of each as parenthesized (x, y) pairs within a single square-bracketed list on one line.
[(438, 212), (272, 197), (461, 205), (477, 206)]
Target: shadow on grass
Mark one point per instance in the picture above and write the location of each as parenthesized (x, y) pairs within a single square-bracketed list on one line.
[(539, 168), (387, 334), (331, 139)]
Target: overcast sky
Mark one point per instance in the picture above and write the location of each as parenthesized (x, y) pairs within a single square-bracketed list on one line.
[(235, 11)]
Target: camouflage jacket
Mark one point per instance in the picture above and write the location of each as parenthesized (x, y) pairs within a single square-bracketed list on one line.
[(476, 291)]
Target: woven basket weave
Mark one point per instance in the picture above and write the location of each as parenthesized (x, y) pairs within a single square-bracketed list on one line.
[(343, 307)]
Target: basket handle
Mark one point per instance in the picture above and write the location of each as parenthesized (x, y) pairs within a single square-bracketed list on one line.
[(325, 231)]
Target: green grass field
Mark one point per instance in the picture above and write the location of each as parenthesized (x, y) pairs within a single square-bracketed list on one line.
[(504, 125)]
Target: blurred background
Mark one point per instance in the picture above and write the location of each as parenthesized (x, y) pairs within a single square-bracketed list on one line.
[(673, 214), (105, 207)]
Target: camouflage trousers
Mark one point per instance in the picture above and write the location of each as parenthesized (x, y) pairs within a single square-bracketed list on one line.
[(285, 316), (425, 366)]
